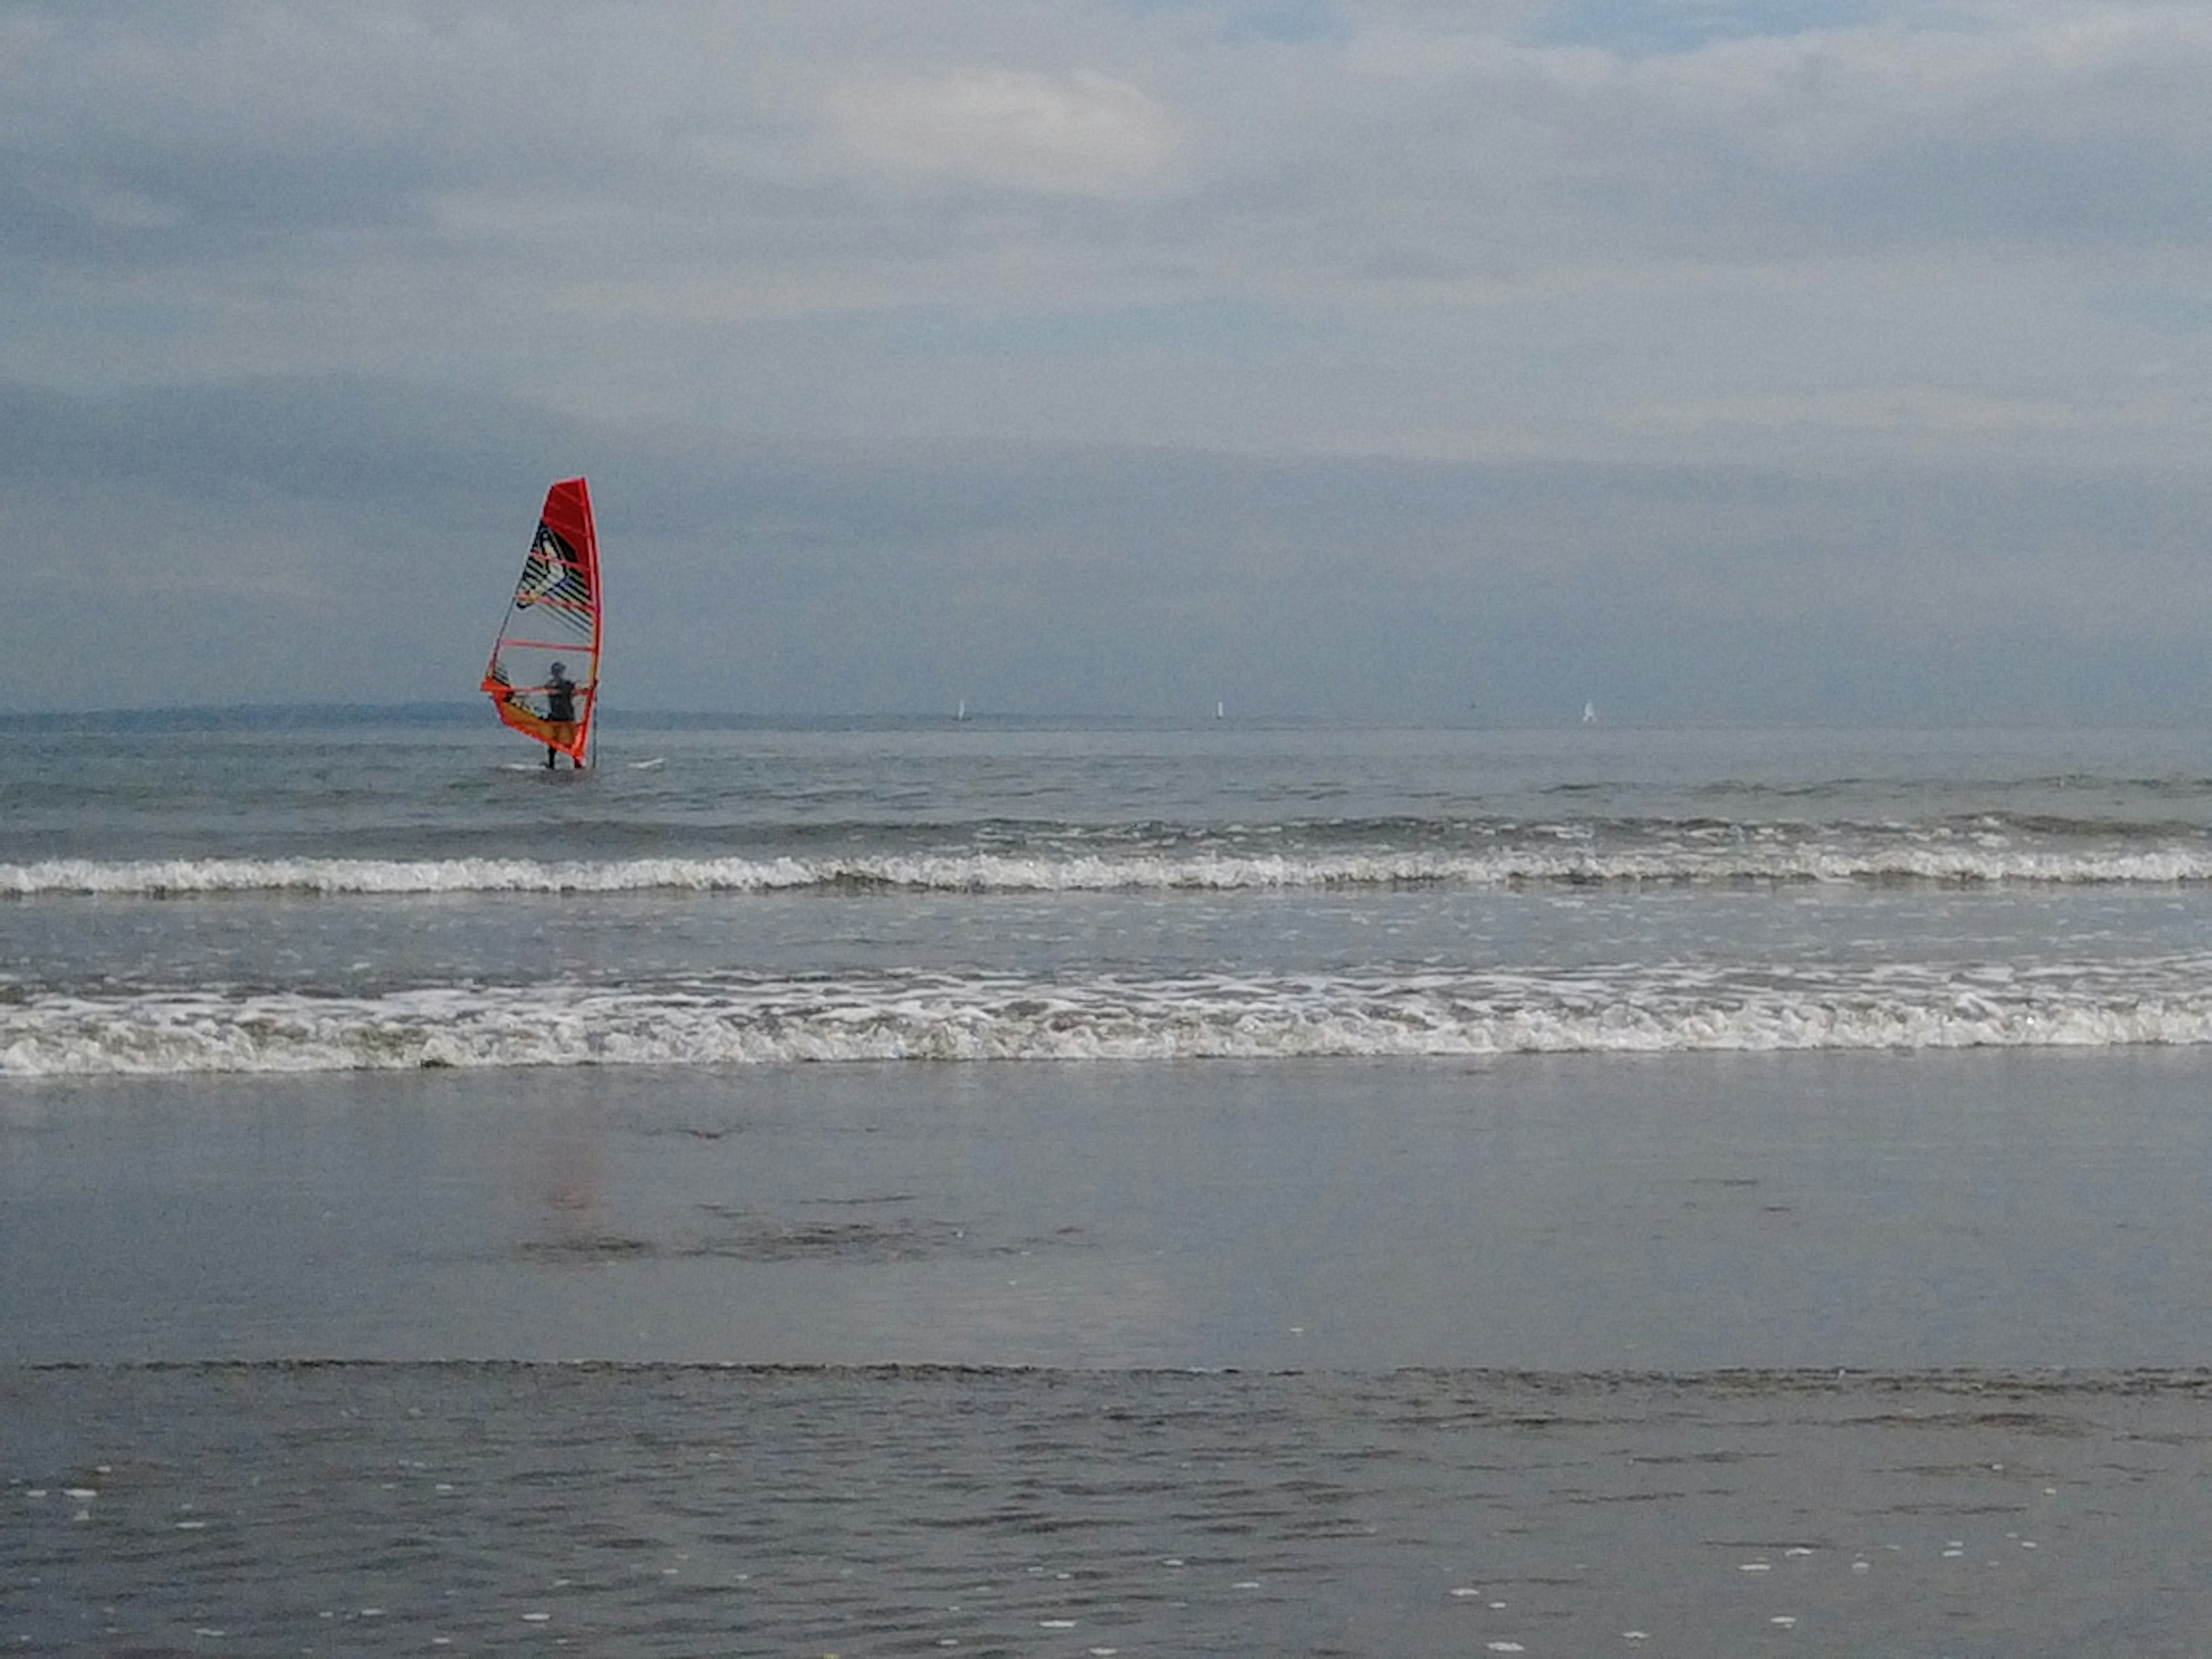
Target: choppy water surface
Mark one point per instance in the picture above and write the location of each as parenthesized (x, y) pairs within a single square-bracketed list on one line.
[(299, 899)]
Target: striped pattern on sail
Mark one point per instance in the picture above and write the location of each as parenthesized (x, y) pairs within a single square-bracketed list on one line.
[(543, 676)]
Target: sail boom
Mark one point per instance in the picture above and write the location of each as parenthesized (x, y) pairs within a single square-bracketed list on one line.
[(543, 645)]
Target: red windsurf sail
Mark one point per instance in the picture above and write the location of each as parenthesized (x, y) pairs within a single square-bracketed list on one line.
[(544, 677)]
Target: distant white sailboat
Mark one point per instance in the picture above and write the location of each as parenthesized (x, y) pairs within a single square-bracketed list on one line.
[(961, 714), (1589, 713), (1220, 711)]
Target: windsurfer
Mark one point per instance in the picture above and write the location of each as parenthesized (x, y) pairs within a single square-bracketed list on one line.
[(560, 713), (555, 608)]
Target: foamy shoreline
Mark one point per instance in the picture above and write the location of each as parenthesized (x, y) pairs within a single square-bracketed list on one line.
[(1941, 864)]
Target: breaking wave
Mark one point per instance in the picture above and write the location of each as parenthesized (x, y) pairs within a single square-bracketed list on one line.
[(1629, 1009), (1943, 862)]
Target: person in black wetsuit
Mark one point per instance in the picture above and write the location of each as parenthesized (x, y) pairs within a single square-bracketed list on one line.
[(560, 711)]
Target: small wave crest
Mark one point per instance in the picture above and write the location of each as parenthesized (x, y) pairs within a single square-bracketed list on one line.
[(1643, 1010), (1060, 871)]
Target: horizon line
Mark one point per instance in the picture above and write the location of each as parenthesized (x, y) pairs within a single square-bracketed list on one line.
[(176, 716)]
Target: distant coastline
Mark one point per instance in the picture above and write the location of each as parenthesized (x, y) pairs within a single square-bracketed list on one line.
[(246, 717), (307, 716)]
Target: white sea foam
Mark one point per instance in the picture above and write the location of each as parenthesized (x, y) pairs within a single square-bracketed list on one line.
[(1933, 861), (1622, 1009)]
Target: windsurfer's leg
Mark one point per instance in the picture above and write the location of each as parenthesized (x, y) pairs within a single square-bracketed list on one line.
[(550, 751)]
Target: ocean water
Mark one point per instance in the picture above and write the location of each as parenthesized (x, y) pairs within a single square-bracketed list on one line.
[(244, 899), (1105, 1189), (353, 1511), (311, 900)]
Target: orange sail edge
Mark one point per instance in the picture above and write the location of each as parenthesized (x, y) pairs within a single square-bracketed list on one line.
[(576, 746), (553, 620)]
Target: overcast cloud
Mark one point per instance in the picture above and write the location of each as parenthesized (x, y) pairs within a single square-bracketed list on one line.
[(1378, 358)]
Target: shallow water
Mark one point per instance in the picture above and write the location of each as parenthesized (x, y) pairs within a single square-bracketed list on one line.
[(660, 1510), (1575, 1212)]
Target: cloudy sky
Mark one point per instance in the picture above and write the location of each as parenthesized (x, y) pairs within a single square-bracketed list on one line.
[(1736, 360)]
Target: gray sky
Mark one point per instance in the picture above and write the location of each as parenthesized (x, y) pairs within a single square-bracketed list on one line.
[(1389, 359)]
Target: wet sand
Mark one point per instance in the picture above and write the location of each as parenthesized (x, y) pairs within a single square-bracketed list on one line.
[(1581, 1214), (1821, 1353)]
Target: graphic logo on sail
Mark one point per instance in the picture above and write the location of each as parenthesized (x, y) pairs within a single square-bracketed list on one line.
[(553, 575)]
